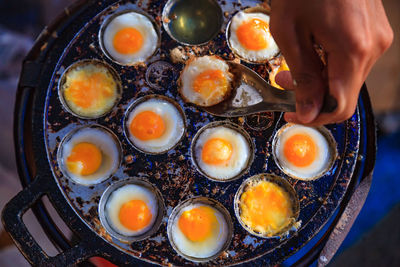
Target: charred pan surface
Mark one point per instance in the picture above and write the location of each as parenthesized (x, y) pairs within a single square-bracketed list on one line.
[(173, 172)]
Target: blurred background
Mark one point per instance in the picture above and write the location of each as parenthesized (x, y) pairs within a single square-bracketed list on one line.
[(375, 237)]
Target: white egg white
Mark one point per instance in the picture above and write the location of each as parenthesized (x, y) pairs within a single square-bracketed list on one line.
[(123, 195), (240, 153), (110, 151), (316, 168), (143, 25), (193, 69), (174, 123), (204, 249), (251, 55)]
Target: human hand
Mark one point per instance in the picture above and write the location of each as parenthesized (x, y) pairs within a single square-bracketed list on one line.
[(353, 34)]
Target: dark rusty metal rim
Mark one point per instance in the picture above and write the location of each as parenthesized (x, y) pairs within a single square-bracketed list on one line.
[(121, 10), (258, 9), (61, 82), (331, 143), (207, 201), (165, 21), (135, 181), (71, 134), (142, 100), (231, 126), (281, 182)]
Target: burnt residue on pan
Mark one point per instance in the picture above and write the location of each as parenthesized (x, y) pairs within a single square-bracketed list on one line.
[(172, 172)]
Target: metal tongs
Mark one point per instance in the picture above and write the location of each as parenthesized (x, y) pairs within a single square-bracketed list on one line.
[(252, 94)]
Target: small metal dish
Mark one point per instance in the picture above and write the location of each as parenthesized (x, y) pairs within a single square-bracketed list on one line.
[(121, 11), (332, 155), (142, 100), (234, 127), (78, 64), (70, 135), (260, 121), (197, 22), (140, 182), (206, 201), (257, 9), (284, 232)]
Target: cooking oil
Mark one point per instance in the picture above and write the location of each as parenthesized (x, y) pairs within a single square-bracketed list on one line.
[(193, 22)]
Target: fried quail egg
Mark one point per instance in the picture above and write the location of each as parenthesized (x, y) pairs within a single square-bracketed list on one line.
[(199, 231), (89, 89), (130, 38), (250, 37), (155, 125), (303, 152), (221, 153), (205, 81), (280, 65), (131, 210), (266, 208), (90, 155)]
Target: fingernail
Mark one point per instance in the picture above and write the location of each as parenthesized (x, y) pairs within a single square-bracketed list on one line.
[(307, 111)]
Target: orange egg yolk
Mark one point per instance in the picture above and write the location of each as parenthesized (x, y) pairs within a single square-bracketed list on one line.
[(216, 151), (90, 89), (253, 34), (135, 215), (282, 67), (147, 125), (198, 224), (85, 159), (211, 84), (128, 41), (300, 150), (266, 206)]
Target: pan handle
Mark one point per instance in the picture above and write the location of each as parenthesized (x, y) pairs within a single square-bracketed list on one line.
[(14, 225)]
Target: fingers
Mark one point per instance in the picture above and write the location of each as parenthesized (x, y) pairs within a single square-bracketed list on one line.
[(345, 81), (306, 72), (285, 80), (353, 33)]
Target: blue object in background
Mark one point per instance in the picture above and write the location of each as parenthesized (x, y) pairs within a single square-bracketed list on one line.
[(385, 190)]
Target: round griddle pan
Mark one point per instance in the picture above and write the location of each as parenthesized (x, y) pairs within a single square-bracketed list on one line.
[(74, 37)]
